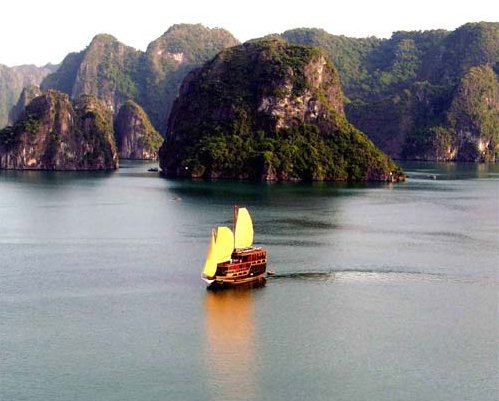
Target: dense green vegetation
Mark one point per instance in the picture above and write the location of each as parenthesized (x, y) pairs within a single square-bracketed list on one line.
[(474, 113), (347, 54), (218, 129), (400, 90), (116, 66), (9, 136)]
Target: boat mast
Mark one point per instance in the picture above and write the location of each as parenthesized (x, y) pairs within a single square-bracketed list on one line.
[(234, 222)]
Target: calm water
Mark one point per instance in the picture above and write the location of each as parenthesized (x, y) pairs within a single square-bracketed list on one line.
[(383, 292)]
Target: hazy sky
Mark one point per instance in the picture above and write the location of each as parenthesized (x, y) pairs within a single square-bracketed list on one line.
[(41, 31)]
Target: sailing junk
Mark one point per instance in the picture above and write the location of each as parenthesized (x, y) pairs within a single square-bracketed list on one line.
[(232, 259)]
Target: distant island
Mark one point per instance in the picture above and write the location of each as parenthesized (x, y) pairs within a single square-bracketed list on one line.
[(54, 133), (431, 95)]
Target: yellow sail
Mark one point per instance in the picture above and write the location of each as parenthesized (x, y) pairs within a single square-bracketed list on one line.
[(243, 233), (210, 266), (224, 244)]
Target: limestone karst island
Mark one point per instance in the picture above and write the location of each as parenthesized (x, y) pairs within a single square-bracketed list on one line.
[(299, 215), (301, 105)]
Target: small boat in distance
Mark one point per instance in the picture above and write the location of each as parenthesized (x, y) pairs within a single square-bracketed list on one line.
[(232, 259)]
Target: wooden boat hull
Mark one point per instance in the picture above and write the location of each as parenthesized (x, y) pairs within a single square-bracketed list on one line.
[(246, 266), (228, 282)]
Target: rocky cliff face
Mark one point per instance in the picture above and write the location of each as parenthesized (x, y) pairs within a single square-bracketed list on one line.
[(135, 136), (58, 135), (64, 77), (402, 91), (115, 73), (399, 91), (27, 95), (169, 58), (474, 116), (286, 105), (268, 110), (469, 129), (104, 69), (12, 81)]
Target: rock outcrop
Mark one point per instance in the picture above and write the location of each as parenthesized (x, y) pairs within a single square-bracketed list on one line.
[(169, 58), (12, 82), (136, 138), (115, 73), (268, 110), (470, 130), (105, 69), (402, 91), (474, 116), (27, 95), (55, 134)]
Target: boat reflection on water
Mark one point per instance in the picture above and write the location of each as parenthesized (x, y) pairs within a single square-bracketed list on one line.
[(230, 352)]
